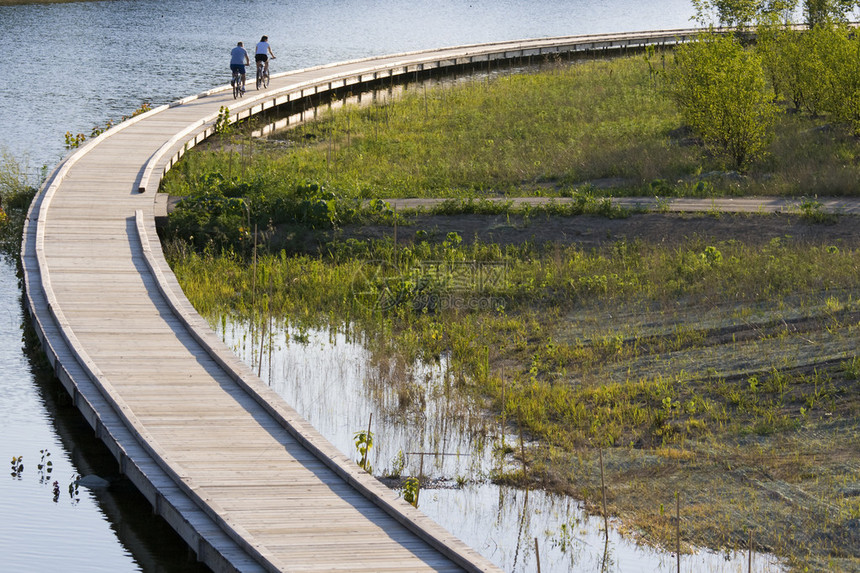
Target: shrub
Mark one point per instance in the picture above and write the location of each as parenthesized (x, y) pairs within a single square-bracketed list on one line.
[(721, 90)]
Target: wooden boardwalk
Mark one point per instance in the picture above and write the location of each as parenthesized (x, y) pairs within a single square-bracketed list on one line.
[(241, 476)]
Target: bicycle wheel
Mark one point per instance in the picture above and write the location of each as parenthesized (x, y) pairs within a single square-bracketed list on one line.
[(259, 78), (266, 79), (235, 82)]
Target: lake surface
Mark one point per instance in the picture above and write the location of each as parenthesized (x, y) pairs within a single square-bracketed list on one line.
[(78, 65)]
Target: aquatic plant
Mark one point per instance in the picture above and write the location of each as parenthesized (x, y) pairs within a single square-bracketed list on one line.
[(363, 442), (410, 491), (45, 466), (17, 466)]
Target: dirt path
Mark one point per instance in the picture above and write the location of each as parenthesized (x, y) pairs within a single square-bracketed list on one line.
[(593, 231), (849, 206)]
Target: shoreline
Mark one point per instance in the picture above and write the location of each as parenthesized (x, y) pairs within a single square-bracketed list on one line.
[(28, 2)]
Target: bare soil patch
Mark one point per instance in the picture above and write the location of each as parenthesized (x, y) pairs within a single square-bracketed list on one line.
[(592, 231)]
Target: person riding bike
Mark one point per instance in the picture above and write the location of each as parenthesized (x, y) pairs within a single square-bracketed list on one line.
[(238, 61), (261, 55)]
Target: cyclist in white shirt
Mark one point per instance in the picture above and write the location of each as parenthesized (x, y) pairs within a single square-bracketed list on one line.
[(262, 54)]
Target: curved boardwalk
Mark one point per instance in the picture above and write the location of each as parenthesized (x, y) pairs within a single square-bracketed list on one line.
[(245, 481)]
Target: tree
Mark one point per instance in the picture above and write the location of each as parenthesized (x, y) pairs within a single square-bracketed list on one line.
[(818, 12), (794, 61), (742, 13), (817, 69), (721, 90)]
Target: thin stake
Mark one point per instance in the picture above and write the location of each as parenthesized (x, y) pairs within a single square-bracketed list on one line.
[(678, 529), (396, 261), (523, 449), (367, 443), (254, 290), (420, 477), (749, 554), (266, 322), (537, 555), (504, 414), (262, 342), (603, 492), (271, 319)]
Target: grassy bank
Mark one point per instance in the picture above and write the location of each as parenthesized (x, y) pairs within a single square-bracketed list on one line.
[(596, 127), (16, 193), (717, 365)]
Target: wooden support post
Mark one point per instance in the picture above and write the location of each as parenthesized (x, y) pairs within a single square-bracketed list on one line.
[(523, 449)]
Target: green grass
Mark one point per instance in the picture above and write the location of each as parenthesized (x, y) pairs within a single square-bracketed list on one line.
[(551, 133)]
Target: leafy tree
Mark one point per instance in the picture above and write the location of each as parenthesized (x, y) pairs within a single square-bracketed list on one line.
[(817, 12), (840, 79), (741, 13), (794, 61), (721, 90)]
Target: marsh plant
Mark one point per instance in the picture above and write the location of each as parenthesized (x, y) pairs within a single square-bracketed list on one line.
[(16, 191), (410, 491), (363, 442), (45, 466), (17, 466)]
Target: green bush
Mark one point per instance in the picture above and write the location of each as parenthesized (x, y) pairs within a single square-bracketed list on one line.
[(817, 70), (721, 90), (841, 57)]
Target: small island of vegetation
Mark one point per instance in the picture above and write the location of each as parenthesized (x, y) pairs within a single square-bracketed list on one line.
[(709, 355)]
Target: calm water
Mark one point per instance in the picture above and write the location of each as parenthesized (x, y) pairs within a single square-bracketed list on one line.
[(77, 65), (415, 411)]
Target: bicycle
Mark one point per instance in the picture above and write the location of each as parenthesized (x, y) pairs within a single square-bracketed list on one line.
[(236, 82), (262, 75)]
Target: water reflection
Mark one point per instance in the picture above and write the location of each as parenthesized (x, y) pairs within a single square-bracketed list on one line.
[(48, 524), (335, 382)]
